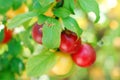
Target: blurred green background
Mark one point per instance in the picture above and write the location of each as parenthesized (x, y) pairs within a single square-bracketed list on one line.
[(104, 36)]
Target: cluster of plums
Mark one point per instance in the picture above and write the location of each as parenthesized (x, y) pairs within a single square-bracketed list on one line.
[(83, 54), (72, 50)]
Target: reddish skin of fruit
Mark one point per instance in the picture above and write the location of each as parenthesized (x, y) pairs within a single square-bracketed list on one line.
[(69, 42), (37, 33), (85, 56), (7, 35)]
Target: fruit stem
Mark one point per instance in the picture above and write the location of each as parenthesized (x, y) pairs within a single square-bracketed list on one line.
[(62, 25)]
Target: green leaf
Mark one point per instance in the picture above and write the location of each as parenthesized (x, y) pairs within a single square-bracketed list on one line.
[(4, 62), (72, 25), (42, 19), (69, 5), (40, 64), (59, 3), (61, 12), (17, 4), (6, 75), (45, 2), (16, 65), (1, 35), (20, 19), (14, 47), (38, 8), (36, 4), (51, 33), (90, 6), (5, 5), (25, 38)]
